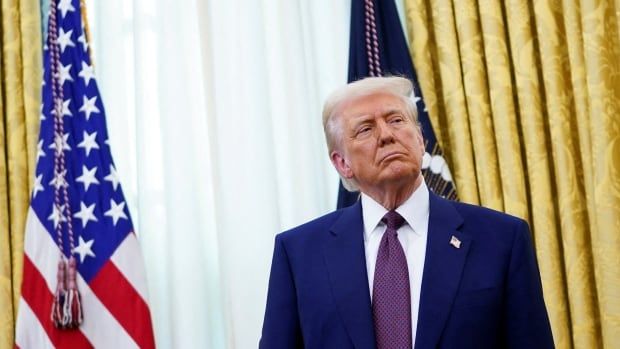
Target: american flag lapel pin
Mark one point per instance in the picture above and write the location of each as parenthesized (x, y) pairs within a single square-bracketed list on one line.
[(454, 241)]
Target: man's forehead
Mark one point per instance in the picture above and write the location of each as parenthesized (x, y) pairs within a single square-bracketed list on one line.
[(372, 103)]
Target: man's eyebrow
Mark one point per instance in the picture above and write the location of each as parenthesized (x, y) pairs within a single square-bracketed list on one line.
[(392, 111), (364, 117)]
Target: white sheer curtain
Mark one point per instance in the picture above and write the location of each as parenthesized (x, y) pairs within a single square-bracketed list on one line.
[(214, 117)]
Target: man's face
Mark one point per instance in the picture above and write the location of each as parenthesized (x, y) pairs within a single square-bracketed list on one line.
[(379, 144)]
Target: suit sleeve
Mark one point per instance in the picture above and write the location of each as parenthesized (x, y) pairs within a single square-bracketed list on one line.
[(526, 319), (281, 327)]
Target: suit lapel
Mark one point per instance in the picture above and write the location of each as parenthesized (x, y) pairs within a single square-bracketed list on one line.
[(346, 267), (443, 267)]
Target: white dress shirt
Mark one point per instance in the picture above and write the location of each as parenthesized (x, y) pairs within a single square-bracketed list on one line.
[(412, 237)]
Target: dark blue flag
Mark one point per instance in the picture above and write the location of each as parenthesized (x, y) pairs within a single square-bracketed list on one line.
[(377, 48)]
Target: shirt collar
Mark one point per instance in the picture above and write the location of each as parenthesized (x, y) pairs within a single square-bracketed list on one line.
[(415, 211)]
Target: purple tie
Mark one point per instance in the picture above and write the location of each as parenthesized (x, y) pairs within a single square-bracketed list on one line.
[(391, 298)]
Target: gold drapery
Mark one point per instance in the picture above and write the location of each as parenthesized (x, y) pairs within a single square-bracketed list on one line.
[(20, 95), (525, 99)]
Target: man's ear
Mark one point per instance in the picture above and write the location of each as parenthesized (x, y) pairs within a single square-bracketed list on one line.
[(341, 165)]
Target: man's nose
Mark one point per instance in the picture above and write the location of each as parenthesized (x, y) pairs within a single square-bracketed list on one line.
[(385, 133)]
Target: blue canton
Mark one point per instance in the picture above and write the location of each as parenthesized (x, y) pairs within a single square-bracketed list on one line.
[(99, 213)]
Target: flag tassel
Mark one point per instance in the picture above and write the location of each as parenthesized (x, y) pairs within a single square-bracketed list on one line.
[(59, 297), (67, 305), (73, 306)]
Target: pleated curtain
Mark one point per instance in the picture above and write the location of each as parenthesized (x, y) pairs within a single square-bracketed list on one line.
[(526, 98), (20, 95)]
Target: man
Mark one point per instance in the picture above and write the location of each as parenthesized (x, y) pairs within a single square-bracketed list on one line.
[(402, 267)]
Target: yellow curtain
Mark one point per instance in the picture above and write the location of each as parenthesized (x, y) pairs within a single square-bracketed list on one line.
[(20, 95), (525, 99)]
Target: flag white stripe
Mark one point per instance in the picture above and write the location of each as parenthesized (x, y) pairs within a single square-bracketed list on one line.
[(99, 326), (128, 259), (41, 249), (29, 332)]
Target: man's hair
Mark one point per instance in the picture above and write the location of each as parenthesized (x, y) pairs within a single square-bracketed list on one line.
[(394, 85)]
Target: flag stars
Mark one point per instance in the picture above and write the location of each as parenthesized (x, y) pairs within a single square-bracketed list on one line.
[(88, 177), (65, 6), (42, 115), (37, 186), (84, 249), (65, 108), (86, 214), (40, 152), (89, 143), (59, 180), (88, 106), (57, 215), (87, 73), (82, 40), (64, 39), (116, 211), (112, 177), (61, 142), (65, 74)]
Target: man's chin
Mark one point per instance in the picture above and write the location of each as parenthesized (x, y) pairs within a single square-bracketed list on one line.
[(399, 174), (399, 168)]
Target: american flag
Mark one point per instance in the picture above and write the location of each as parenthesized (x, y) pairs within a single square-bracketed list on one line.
[(111, 276)]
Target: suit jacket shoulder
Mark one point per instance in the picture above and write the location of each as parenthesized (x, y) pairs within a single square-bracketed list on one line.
[(309, 229), (486, 220), (487, 227), (318, 289), (486, 287)]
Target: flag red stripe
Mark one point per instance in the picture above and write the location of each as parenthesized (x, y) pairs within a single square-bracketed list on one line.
[(130, 310), (39, 298)]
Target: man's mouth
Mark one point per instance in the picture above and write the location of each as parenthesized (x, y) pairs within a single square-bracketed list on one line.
[(391, 156)]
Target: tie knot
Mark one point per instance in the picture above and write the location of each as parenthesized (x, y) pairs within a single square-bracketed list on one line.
[(393, 220)]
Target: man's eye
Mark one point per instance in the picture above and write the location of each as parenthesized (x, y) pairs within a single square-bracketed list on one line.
[(396, 120), (363, 130)]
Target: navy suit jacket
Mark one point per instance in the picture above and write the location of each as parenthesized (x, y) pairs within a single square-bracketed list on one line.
[(485, 294)]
